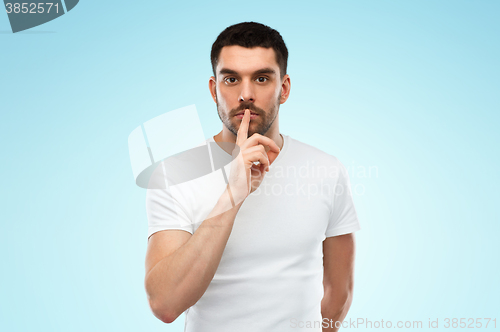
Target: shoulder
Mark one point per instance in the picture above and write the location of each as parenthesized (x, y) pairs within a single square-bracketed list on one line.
[(308, 152)]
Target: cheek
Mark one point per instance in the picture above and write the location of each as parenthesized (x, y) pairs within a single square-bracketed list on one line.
[(225, 96), (272, 95), (221, 98)]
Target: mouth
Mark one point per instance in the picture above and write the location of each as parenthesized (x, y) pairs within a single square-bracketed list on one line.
[(243, 113)]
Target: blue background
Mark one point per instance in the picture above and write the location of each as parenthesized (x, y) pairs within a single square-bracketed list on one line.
[(406, 89)]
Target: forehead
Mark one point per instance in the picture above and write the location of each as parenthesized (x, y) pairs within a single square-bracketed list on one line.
[(242, 59)]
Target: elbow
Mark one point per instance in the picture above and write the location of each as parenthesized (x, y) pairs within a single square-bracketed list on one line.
[(166, 304), (161, 308), (166, 315), (345, 298), (337, 303)]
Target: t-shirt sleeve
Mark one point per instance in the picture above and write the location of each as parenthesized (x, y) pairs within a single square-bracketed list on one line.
[(343, 215), (165, 212)]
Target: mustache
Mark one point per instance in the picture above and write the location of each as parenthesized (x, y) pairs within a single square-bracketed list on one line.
[(243, 106)]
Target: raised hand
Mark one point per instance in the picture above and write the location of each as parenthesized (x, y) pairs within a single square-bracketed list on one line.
[(250, 162)]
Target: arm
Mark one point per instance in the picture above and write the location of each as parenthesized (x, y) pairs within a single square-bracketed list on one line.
[(180, 266), (338, 278)]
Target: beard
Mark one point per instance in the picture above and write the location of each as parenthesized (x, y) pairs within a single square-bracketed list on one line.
[(259, 125)]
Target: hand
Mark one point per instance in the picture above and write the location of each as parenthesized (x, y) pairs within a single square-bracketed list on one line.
[(246, 176)]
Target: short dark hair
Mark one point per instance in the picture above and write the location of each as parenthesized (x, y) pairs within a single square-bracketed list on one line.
[(249, 35)]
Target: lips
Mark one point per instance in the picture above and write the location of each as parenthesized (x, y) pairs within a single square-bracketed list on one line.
[(243, 113)]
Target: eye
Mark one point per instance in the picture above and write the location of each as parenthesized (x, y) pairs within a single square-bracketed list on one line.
[(262, 79), (230, 80)]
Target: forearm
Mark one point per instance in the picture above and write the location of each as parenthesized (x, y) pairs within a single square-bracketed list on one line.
[(179, 280), (334, 308)]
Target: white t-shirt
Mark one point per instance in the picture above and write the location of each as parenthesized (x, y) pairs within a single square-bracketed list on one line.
[(271, 272)]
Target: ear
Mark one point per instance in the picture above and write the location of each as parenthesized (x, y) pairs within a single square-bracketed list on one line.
[(212, 86), (285, 89)]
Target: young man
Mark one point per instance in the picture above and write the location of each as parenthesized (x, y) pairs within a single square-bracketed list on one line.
[(273, 249)]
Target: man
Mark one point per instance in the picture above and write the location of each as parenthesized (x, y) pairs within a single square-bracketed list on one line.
[(273, 250)]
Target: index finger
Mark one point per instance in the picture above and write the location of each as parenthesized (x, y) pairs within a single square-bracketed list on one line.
[(242, 134)]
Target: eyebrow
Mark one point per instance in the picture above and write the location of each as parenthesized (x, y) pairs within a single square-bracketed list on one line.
[(257, 72)]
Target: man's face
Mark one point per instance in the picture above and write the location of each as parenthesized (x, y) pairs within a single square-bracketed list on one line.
[(248, 78)]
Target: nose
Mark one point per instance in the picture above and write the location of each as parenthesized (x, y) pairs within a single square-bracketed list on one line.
[(246, 92)]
